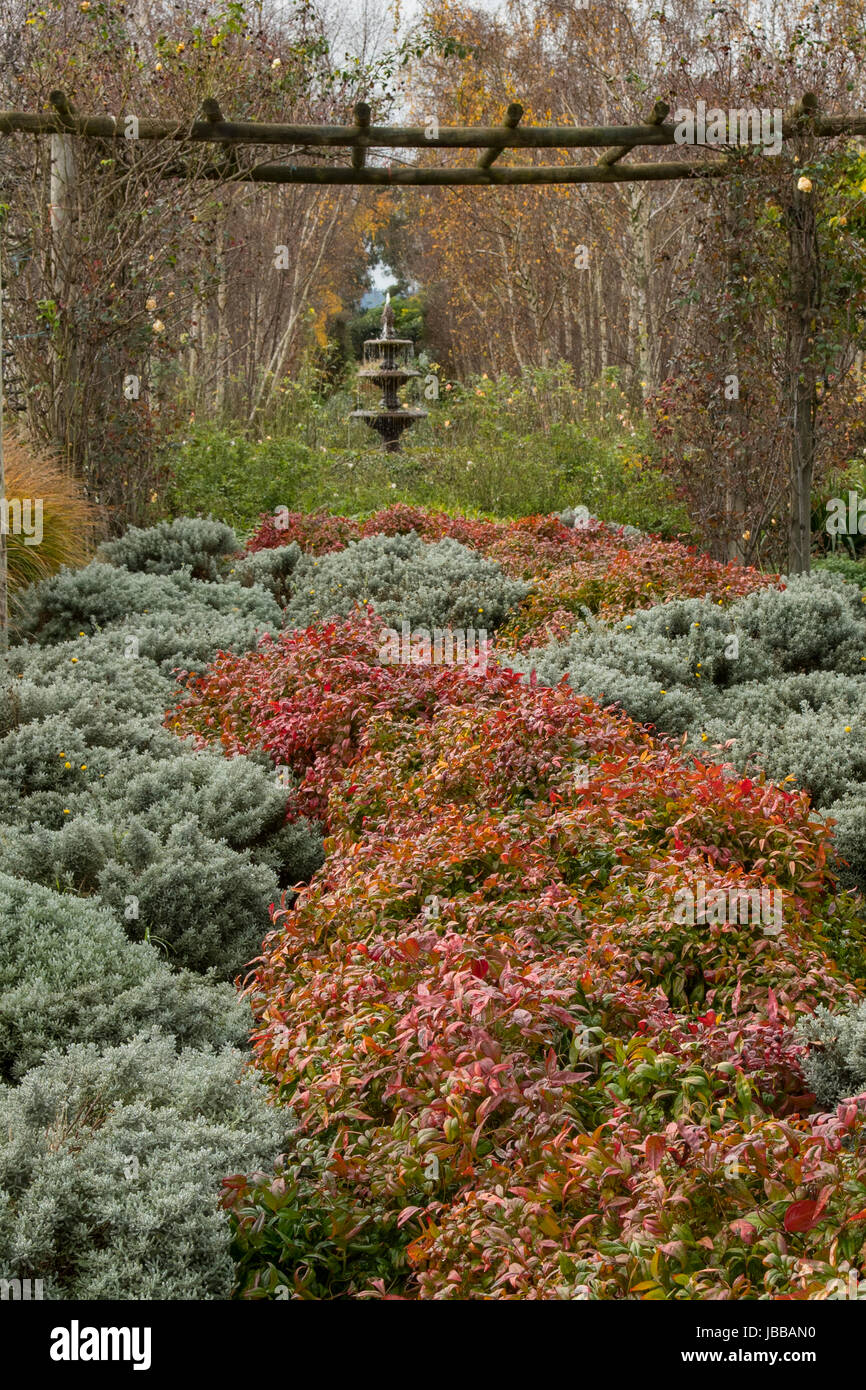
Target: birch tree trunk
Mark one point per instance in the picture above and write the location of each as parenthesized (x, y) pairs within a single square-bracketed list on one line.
[(638, 289), (222, 332)]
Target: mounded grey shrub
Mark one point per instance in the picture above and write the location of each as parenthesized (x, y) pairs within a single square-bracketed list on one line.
[(835, 1067), (849, 836), (170, 618), (206, 903), (788, 696), (435, 584), (272, 569), (111, 1161), (198, 545), (69, 974), (111, 1155), (89, 680)]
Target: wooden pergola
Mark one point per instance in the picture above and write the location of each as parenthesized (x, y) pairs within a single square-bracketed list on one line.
[(361, 138), (63, 124)]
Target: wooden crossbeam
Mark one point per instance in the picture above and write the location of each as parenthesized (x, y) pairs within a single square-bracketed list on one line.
[(382, 137), (460, 175), (617, 142), (511, 122)]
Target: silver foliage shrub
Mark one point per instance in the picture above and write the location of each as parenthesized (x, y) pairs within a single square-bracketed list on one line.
[(175, 620), (110, 1167), (835, 1067), (791, 701), (436, 584), (111, 828), (199, 545), (69, 974), (272, 569)]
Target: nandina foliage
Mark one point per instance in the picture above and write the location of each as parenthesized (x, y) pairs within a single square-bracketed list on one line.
[(619, 580), (316, 532), (575, 570), (516, 1072), (305, 698)]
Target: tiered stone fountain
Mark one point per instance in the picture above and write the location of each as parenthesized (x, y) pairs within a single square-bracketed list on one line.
[(387, 364)]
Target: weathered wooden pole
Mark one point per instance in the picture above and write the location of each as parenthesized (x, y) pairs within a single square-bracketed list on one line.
[(62, 205), (392, 137), (413, 176), (802, 375)]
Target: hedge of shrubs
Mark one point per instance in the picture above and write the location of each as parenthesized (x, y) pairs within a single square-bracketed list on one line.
[(136, 874), (500, 1060), (515, 1073), (776, 680)]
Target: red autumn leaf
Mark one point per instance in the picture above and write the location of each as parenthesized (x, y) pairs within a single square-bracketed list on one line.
[(802, 1216), (654, 1148), (744, 1229), (772, 1007)]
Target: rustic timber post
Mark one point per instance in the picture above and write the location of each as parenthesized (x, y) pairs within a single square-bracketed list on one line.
[(62, 200), (803, 305), (735, 502), (213, 115)]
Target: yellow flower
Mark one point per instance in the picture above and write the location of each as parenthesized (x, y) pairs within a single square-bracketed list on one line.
[(150, 304), (84, 767), (67, 764), (65, 811), (804, 185), (158, 326)]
